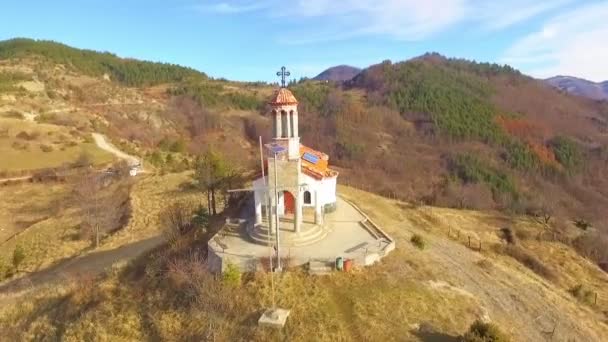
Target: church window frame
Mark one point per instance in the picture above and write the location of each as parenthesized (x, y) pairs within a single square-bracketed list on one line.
[(307, 197)]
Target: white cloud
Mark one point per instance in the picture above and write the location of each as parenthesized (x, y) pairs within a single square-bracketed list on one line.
[(397, 19), (573, 43)]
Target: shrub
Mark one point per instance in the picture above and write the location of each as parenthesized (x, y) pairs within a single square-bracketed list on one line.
[(418, 241), (529, 260), (509, 236), (27, 136), (484, 332), (46, 148), (231, 275), (177, 221), (13, 115), (18, 256), (23, 146), (582, 293)]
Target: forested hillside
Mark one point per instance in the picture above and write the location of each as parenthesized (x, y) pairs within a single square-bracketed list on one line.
[(126, 71)]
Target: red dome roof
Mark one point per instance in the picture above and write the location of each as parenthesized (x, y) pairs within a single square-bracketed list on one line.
[(283, 97)]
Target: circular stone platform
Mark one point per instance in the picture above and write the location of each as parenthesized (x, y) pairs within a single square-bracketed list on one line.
[(347, 233), (310, 233)]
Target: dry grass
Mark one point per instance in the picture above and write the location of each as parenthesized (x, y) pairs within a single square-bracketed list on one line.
[(59, 147), (167, 295)]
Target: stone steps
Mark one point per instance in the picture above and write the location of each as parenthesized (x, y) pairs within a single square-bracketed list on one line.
[(259, 235), (320, 268)]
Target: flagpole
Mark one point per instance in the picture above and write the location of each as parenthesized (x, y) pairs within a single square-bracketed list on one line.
[(276, 191), (274, 305)]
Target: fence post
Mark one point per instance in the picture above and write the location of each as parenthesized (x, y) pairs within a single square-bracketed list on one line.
[(469, 241), (480, 245), (595, 299)]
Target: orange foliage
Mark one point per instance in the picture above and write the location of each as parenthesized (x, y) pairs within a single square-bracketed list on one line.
[(543, 153), (525, 129)]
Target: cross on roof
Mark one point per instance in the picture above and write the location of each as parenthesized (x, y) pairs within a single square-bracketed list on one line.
[(283, 74)]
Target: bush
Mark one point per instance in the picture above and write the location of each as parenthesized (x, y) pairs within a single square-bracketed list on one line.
[(529, 260), (484, 332), (46, 148), (18, 256), (14, 115), (418, 241), (582, 293), (231, 275), (177, 221), (27, 136), (22, 146)]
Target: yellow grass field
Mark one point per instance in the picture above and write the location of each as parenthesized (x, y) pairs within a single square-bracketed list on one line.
[(18, 154)]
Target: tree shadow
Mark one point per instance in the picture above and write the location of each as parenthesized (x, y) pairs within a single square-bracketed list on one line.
[(427, 333)]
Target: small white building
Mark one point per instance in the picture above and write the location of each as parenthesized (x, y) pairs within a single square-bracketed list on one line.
[(303, 177)]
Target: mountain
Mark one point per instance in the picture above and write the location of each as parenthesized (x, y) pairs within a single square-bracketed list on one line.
[(580, 87), (338, 73)]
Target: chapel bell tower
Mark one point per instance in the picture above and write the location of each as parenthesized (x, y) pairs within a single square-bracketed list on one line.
[(285, 119)]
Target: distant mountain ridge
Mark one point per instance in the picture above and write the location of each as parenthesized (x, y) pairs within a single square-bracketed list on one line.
[(580, 87), (338, 73)]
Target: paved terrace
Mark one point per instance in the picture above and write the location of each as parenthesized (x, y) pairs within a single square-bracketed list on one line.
[(349, 234)]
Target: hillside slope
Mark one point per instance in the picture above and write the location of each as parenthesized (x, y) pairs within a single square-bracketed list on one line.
[(434, 292)]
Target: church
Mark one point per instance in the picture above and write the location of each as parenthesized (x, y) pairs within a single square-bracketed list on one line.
[(305, 184)]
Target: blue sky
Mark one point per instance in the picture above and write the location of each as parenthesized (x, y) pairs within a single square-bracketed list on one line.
[(250, 40)]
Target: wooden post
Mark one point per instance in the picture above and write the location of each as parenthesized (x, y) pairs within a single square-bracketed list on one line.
[(469, 241), (595, 299), (480, 245)]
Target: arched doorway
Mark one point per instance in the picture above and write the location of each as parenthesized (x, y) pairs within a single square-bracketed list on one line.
[(289, 202)]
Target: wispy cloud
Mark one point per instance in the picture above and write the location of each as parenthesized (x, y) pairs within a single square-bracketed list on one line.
[(497, 15), (570, 43), (398, 19), (233, 8)]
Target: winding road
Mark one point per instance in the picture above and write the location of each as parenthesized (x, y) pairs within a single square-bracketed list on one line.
[(102, 143)]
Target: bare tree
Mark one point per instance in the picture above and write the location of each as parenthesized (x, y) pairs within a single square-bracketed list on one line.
[(89, 197)]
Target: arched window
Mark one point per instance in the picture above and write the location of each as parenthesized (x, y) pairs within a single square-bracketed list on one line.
[(284, 124), (307, 197)]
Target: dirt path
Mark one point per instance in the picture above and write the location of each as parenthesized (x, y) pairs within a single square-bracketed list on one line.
[(92, 263), (134, 240), (102, 143), (14, 179)]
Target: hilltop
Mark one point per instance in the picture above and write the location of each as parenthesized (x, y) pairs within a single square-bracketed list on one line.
[(338, 73), (580, 87)]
